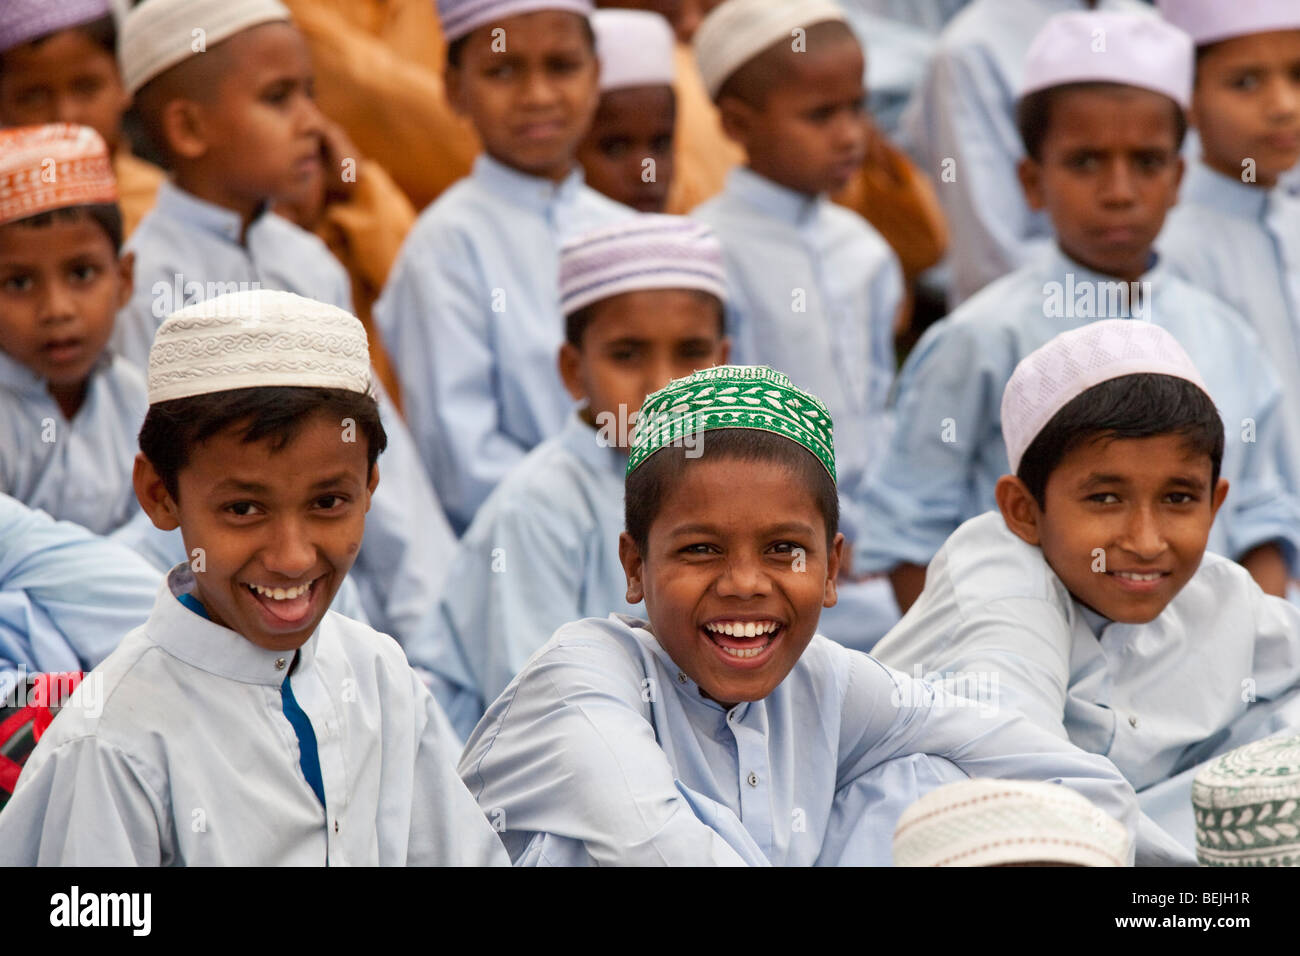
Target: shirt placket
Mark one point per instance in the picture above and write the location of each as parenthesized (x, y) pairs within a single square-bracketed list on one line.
[(322, 711), (754, 768)]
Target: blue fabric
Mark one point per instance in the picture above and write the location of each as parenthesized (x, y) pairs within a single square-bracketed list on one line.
[(191, 602), (308, 758)]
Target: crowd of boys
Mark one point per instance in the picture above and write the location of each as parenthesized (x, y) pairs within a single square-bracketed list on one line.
[(588, 517)]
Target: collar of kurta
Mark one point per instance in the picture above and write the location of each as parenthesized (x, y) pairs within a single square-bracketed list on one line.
[(218, 650), (176, 203), (589, 445), (23, 381), (531, 192), (1209, 187), (1059, 267), (773, 199)]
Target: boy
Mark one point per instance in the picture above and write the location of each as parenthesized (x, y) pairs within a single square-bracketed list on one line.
[(58, 64), (722, 730), (240, 130), (1235, 232), (69, 407), (1007, 823), (1102, 131), (245, 723), (628, 152), (469, 313), (643, 305), (1090, 596), (812, 288)]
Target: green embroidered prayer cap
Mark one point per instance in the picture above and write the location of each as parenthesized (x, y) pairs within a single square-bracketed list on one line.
[(1247, 805), (732, 396)]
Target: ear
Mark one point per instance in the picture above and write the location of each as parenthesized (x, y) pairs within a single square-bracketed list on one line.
[(125, 279), (724, 351), (1030, 173), (737, 119), (1019, 509), (833, 561), (1180, 167), (570, 363), (374, 483), (1216, 499), (629, 555), (184, 129), (452, 81), (153, 495)]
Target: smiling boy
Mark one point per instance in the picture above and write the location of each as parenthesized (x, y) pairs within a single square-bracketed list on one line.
[(720, 729), (470, 309), (1102, 131), (246, 723), (1091, 595)]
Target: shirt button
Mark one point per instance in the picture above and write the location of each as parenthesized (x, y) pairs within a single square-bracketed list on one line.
[(1132, 720), (336, 826), (681, 678), (753, 779), (279, 663)]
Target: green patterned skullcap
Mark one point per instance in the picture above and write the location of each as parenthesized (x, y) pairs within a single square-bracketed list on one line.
[(1247, 805), (732, 396)]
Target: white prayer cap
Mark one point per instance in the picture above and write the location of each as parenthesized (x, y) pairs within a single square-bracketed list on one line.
[(1135, 49), (158, 34), (462, 17), (257, 338), (1209, 21), (1247, 806), (1050, 377), (22, 21), (644, 252), (990, 822), (635, 49), (738, 30)]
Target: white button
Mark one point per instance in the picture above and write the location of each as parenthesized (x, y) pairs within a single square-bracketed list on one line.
[(279, 663), (753, 779), (731, 715), (681, 678), (1132, 720)]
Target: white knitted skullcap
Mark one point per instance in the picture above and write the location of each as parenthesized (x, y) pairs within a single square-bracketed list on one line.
[(636, 48), (1052, 376), (643, 252), (257, 338), (1209, 21), (462, 17), (990, 822), (738, 30), (158, 34), (1135, 49), (1247, 805)]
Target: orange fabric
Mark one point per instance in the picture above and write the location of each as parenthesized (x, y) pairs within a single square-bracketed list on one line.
[(137, 186)]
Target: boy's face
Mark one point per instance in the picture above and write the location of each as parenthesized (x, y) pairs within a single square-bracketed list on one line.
[(1109, 173), (734, 545), (631, 126), (257, 136), (636, 344), (66, 78), (1247, 104), (61, 285), (1125, 522), (530, 91), (811, 132), (290, 519)]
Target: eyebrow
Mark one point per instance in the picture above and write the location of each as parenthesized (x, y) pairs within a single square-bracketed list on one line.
[(254, 488), (788, 527), (1099, 478)]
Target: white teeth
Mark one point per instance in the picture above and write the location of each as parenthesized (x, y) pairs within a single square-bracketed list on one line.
[(747, 652), (743, 628), (282, 594), (1134, 576)]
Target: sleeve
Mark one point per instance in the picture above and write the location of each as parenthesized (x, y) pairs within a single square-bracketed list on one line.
[(971, 139), (889, 715), (919, 491), (1276, 670), (447, 826), (574, 756), (435, 321), (84, 804)]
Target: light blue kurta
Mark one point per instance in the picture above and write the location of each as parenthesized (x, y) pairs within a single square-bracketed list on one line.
[(1156, 699), (947, 451), (929, 15), (604, 751), (77, 470), (471, 319), (190, 760), (1242, 244), (67, 597), (408, 542), (961, 128), (541, 552)]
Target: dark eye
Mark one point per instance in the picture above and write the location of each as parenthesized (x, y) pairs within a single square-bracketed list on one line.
[(278, 94), (18, 283), (1084, 162), (1180, 498), (1152, 162), (614, 147), (330, 502), (662, 143), (499, 70), (786, 547), (1245, 82), (84, 272), (1104, 498), (699, 548), (87, 86), (243, 509), (563, 65)]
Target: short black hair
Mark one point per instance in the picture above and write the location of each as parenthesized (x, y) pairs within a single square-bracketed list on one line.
[(755, 79), (647, 487), (456, 48), (576, 322), (1131, 406), (108, 216), (172, 429), (101, 31), (1034, 115)]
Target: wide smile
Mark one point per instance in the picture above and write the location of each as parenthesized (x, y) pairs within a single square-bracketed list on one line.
[(1139, 582), (744, 644), (286, 609)]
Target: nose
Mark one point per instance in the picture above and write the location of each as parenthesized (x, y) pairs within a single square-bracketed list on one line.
[(310, 119), (1144, 535), (290, 552), (58, 305), (1118, 185), (743, 578), (1284, 98), (539, 89), (67, 109), (851, 131)]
